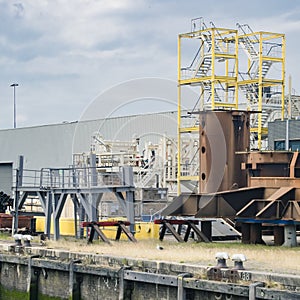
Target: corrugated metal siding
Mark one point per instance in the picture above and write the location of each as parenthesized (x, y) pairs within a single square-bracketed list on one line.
[(6, 178), (42, 146), (148, 127), (270, 136), (294, 127), (53, 145), (277, 131)]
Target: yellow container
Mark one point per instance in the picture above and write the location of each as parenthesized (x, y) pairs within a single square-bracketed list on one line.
[(143, 230), (66, 226)]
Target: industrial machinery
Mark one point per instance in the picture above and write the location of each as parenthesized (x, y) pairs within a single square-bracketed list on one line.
[(253, 188), (217, 167), (231, 69)]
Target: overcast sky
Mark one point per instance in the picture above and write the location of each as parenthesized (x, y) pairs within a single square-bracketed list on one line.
[(63, 54)]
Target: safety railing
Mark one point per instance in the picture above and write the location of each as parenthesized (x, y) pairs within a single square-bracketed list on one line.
[(48, 178)]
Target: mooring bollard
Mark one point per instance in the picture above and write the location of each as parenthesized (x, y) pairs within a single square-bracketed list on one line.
[(238, 260), (18, 238), (221, 259), (27, 238)]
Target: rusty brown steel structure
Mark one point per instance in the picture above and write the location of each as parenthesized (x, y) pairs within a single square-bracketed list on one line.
[(279, 173), (254, 188), (222, 134)]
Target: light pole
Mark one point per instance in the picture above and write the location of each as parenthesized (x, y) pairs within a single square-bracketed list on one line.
[(14, 85)]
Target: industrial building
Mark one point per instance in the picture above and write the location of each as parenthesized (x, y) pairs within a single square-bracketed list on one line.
[(202, 156), (59, 146), (284, 135), (53, 145)]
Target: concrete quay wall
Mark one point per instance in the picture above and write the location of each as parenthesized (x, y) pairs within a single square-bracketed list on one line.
[(36, 271)]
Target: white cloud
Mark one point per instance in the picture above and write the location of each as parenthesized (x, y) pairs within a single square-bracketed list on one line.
[(63, 53)]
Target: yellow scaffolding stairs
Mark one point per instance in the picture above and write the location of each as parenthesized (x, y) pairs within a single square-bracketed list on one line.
[(226, 61)]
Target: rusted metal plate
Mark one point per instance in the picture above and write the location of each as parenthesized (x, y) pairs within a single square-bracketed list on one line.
[(222, 134), (271, 182), (176, 222), (105, 223), (183, 205), (292, 211), (262, 208)]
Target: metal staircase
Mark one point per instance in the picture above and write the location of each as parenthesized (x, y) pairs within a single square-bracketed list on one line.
[(250, 91), (262, 49), (295, 105), (203, 66), (203, 62), (265, 118), (207, 39), (248, 45), (146, 176), (266, 65), (207, 88)]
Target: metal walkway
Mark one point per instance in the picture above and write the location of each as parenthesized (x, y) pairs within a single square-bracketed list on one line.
[(84, 186)]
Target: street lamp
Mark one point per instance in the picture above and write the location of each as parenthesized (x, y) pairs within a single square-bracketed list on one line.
[(14, 85)]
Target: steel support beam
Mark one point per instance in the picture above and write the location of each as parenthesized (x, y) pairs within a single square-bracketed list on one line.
[(59, 202), (252, 289), (19, 182), (48, 214), (74, 283), (290, 236), (127, 176)]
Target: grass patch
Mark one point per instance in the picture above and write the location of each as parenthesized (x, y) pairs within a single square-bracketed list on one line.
[(5, 236), (259, 257)]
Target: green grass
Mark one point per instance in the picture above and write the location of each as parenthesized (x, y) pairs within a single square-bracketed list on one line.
[(5, 236)]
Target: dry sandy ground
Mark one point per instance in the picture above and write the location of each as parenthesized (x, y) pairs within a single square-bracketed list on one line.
[(259, 257)]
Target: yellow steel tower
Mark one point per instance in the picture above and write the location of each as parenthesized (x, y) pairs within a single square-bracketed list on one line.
[(261, 77), (212, 73), (225, 61)]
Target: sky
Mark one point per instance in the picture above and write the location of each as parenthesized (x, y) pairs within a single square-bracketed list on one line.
[(65, 54)]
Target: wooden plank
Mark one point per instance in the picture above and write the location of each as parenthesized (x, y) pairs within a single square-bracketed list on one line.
[(105, 223), (101, 234), (128, 233), (187, 233), (199, 233), (173, 231), (118, 234), (162, 232)]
